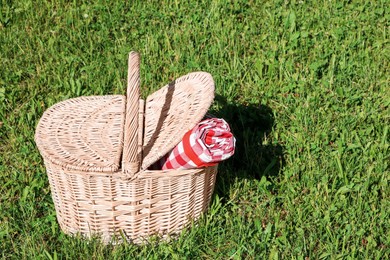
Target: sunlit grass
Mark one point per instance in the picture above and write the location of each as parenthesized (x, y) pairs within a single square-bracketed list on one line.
[(304, 85)]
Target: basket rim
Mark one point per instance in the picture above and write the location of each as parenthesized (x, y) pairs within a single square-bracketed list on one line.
[(143, 174)]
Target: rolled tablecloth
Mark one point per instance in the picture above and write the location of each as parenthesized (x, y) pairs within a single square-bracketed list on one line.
[(207, 144)]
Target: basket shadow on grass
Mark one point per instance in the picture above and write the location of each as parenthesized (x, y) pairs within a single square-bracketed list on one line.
[(250, 124)]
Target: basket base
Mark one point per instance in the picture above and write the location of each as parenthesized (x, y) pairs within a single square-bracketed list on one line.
[(156, 203)]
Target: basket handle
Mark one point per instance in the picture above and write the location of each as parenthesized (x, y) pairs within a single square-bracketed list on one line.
[(130, 158)]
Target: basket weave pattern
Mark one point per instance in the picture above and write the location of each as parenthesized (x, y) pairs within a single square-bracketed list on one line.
[(156, 203), (91, 124), (97, 151)]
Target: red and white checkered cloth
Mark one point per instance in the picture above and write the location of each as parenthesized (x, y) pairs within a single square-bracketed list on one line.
[(207, 144)]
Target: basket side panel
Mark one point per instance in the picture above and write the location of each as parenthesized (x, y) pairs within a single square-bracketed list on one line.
[(104, 204)]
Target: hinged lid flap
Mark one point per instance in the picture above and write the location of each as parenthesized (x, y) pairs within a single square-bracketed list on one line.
[(83, 133), (172, 111)]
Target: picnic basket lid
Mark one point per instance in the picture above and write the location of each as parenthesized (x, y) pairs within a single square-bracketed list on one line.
[(100, 133), (172, 111), (83, 133)]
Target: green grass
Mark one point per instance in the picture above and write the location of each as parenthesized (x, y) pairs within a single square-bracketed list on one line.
[(304, 85)]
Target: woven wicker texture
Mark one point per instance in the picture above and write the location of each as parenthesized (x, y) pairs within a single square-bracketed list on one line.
[(172, 111), (156, 203), (81, 142), (130, 161), (83, 133)]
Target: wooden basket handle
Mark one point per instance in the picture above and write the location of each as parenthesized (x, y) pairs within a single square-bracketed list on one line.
[(130, 157)]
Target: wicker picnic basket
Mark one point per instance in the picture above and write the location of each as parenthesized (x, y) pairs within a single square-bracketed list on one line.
[(98, 150)]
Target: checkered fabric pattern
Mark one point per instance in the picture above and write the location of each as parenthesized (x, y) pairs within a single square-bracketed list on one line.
[(207, 144)]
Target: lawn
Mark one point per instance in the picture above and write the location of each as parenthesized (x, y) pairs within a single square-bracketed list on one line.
[(303, 84)]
